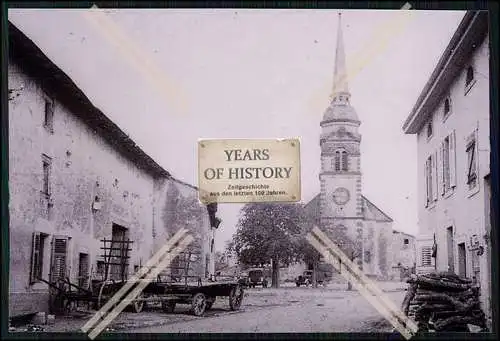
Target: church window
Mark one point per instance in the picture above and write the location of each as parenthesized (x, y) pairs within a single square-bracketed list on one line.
[(337, 161), (429, 129), (340, 161), (344, 160)]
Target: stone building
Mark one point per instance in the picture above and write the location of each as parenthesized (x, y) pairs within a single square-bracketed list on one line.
[(451, 120), (340, 209), (76, 178), (403, 255)]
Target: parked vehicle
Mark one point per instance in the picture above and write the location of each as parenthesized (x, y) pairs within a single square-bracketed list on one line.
[(258, 276), (306, 278)]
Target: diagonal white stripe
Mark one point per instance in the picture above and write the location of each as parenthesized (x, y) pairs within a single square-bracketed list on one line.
[(367, 282), (144, 270), (139, 288)]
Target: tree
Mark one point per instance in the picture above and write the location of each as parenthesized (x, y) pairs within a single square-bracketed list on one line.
[(220, 261), (350, 245), (268, 233)]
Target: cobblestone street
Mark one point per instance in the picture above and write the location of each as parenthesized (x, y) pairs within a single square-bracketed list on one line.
[(287, 309)]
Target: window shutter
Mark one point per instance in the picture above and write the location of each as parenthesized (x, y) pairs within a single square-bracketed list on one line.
[(442, 170), (434, 177), (35, 256), (426, 177), (59, 257), (453, 160)]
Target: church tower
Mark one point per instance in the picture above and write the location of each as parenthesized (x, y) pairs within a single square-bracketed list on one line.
[(340, 202)]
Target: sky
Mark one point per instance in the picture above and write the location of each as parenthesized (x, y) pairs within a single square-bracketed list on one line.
[(169, 77)]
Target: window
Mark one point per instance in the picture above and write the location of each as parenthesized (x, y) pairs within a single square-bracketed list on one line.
[(469, 78), (37, 255), (48, 121), (119, 253), (471, 161), (344, 160), (59, 258), (429, 129), (212, 245), (368, 257), (340, 161), (337, 161), (448, 174), (447, 107), (46, 166), (462, 261), (406, 241), (426, 256), (83, 270)]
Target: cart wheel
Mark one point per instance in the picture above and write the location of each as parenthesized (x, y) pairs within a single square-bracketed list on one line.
[(199, 304), (210, 302), (168, 306), (69, 306), (137, 306), (235, 297)]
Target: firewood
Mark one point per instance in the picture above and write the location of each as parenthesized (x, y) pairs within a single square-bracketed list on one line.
[(442, 324), (426, 283)]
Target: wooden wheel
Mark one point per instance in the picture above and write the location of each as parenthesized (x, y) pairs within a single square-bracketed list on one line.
[(168, 306), (137, 306), (210, 302), (198, 304), (235, 297)]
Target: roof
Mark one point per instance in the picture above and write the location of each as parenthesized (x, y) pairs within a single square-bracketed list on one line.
[(370, 211), (55, 81), (470, 33), (404, 233)]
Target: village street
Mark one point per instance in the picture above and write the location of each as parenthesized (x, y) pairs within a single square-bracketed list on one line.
[(287, 309)]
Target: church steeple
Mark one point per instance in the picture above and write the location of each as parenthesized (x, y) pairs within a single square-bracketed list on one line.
[(340, 92)]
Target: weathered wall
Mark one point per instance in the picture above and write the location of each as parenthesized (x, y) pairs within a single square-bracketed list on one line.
[(403, 255), (178, 207), (83, 166)]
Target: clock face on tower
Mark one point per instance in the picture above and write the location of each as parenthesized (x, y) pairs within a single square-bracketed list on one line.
[(341, 196)]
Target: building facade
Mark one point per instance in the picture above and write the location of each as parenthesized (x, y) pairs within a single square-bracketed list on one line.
[(340, 209), (451, 121), (75, 179), (403, 255)]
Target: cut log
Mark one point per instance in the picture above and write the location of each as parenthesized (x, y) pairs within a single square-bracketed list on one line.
[(434, 284), (462, 320)]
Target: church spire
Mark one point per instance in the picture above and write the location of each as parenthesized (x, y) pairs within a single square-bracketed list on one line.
[(340, 89)]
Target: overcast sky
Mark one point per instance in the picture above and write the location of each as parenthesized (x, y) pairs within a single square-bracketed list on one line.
[(170, 77)]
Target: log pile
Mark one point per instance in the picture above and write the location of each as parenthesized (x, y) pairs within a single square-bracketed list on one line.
[(443, 302)]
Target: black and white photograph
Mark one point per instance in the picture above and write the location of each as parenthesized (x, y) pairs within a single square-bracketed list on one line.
[(388, 225)]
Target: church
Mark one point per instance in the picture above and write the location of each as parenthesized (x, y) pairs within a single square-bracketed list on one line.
[(340, 209)]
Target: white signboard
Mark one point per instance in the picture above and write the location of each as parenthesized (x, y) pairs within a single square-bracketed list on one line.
[(249, 170)]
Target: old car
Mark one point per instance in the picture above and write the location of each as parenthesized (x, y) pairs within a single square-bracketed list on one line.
[(306, 278), (258, 276)]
